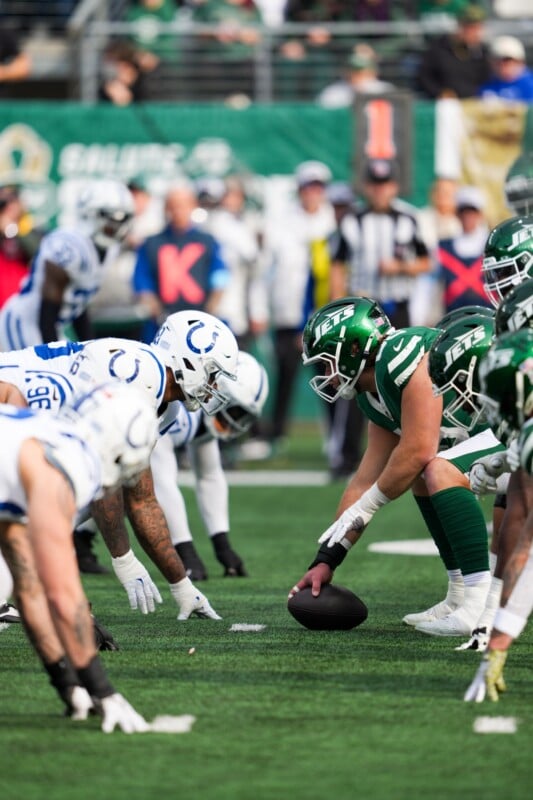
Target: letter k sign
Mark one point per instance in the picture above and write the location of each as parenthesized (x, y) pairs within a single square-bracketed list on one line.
[(174, 267)]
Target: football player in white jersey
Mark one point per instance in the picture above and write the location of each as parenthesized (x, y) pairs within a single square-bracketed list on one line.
[(193, 350), (52, 467), (199, 433), (68, 270)]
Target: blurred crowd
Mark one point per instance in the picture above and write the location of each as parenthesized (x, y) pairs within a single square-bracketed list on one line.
[(218, 54), (210, 244)]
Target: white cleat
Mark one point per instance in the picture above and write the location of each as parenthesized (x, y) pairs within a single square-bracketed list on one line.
[(432, 614), (458, 623)]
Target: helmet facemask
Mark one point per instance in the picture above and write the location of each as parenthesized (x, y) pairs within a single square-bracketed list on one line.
[(245, 397), (501, 276), (199, 349), (466, 400), (332, 383)]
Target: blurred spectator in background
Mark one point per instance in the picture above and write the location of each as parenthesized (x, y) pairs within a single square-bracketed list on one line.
[(460, 258), (15, 64), (304, 62), (150, 44), (182, 266), (121, 77), (361, 77), (436, 221), (288, 242), (511, 79), (372, 11), (244, 304), (457, 63), (114, 310), (379, 249), (439, 9), (232, 46), (272, 11), (18, 242)]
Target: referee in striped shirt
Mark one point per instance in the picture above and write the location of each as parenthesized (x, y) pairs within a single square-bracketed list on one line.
[(378, 250)]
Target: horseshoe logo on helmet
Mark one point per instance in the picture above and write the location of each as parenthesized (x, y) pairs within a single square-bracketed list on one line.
[(114, 374), (200, 350)]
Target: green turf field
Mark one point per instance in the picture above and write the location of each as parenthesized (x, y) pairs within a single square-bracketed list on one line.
[(285, 713)]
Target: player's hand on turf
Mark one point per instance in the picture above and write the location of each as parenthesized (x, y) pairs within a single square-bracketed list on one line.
[(315, 577), (354, 518), (116, 712), (191, 602), (78, 702), (478, 641), (489, 679), (142, 591)]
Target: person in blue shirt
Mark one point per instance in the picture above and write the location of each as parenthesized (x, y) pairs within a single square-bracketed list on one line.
[(182, 266), (511, 80)]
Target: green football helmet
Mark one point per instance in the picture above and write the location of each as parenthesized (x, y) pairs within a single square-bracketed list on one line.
[(508, 257), (516, 309), (506, 379), (454, 357), (338, 340), (519, 185), (462, 312)]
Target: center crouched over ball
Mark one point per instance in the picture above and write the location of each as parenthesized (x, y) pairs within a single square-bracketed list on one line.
[(335, 609)]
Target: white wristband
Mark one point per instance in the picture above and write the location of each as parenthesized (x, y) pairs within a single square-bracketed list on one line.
[(509, 623), (126, 567), (373, 499), (180, 589)]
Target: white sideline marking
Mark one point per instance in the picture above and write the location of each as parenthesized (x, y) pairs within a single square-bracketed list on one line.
[(406, 547), (244, 626), (265, 477), (168, 724), (495, 725)]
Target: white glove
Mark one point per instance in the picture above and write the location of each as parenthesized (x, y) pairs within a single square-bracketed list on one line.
[(356, 517), (117, 713), (191, 602), (512, 454), (489, 678), (485, 472), (142, 591), (78, 702)]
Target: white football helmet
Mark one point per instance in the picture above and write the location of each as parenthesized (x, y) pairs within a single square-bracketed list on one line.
[(199, 348), (105, 210), (120, 425), (246, 399)]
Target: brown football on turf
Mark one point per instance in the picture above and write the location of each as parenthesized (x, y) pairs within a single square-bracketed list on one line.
[(335, 609)]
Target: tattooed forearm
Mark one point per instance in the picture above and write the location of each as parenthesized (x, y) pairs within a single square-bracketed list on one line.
[(29, 594), (83, 626), (108, 513), (151, 529)]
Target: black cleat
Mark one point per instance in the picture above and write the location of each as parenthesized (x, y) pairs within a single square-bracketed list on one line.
[(87, 560), (232, 563), (9, 614), (192, 562)]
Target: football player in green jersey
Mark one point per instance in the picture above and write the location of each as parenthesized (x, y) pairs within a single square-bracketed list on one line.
[(356, 352), (508, 257), (506, 376)]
